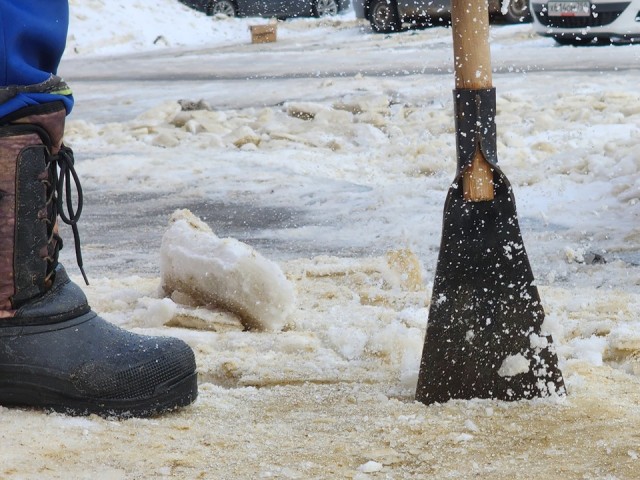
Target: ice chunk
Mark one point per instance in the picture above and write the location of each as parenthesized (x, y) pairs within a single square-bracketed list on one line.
[(224, 273)]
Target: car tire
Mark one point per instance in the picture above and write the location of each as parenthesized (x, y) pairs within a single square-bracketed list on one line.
[(383, 16), (518, 12), (324, 8), (224, 7)]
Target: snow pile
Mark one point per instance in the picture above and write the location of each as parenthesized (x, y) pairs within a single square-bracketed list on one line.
[(117, 26), (408, 139), (356, 320), (225, 273), (112, 27)]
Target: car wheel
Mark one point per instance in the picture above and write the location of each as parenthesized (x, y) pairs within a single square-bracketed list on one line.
[(383, 16), (518, 12), (224, 7), (323, 8)]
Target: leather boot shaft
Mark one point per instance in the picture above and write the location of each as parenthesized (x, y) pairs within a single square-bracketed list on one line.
[(29, 139)]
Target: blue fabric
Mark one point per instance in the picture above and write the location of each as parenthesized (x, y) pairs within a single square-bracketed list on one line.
[(32, 40), (25, 99)]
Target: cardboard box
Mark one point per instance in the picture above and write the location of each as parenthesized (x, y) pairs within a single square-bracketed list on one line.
[(263, 33)]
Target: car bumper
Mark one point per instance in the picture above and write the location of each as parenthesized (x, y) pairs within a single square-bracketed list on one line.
[(607, 19), (343, 5), (359, 8)]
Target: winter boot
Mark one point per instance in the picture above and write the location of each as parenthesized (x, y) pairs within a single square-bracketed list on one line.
[(55, 352)]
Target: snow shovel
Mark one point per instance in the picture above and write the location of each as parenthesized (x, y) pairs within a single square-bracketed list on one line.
[(484, 337)]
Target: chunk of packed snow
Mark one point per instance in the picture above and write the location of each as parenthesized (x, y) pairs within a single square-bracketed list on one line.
[(224, 273), (513, 365), (370, 467)]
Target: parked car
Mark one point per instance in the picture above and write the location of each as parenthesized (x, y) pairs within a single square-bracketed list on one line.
[(388, 16), (579, 22), (269, 8)]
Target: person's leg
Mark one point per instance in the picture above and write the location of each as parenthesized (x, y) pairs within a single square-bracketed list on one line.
[(55, 352), (33, 38)]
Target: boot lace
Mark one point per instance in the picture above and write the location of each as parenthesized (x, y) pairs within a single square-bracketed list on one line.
[(62, 177)]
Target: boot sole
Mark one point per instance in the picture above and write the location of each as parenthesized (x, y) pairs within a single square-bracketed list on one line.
[(22, 393)]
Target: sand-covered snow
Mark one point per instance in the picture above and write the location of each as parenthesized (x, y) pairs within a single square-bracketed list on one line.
[(342, 180)]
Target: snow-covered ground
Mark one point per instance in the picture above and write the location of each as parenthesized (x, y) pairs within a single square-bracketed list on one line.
[(330, 153)]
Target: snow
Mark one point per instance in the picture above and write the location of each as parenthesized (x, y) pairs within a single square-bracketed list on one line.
[(370, 467), (513, 365), (328, 154), (224, 273), (106, 27)]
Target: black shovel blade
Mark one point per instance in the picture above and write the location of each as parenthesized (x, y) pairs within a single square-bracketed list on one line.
[(484, 337)]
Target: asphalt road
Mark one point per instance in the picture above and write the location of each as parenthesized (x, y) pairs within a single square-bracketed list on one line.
[(297, 58)]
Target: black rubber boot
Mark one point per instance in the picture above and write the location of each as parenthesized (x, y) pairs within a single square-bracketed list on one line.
[(55, 352)]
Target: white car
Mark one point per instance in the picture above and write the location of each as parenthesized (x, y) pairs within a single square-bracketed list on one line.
[(582, 22)]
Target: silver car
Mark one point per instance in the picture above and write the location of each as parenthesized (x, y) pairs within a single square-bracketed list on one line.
[(388, 16), (269, 8)]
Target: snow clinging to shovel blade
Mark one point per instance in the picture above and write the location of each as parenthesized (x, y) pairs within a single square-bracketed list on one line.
[(513, 365)]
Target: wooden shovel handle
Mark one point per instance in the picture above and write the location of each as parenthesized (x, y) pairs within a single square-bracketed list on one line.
[(472, 62)]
